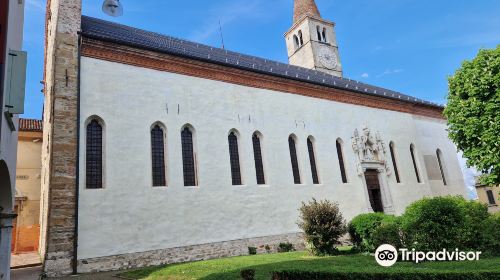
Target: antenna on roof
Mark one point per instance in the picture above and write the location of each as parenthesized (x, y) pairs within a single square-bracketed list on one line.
[(221, 36)]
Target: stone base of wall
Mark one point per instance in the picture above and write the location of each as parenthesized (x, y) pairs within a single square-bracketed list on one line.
[(189, 253)]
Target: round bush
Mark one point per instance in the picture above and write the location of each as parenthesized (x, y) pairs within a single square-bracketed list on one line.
[(490, 237), (362, 227), (443, 223), (387, 233)]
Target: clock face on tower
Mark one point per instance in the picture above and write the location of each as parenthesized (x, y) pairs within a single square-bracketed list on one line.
[(327, 57)]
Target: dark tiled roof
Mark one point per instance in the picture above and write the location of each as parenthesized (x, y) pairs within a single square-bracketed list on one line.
[(130, 36), (30, 125)]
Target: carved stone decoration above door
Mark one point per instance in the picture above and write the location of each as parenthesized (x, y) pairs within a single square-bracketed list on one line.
[(370, 149)]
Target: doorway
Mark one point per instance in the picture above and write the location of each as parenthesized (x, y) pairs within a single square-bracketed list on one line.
[(374, 193)]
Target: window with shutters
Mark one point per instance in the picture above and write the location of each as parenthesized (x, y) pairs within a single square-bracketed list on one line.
[(441, 167), (257, 155), (340, 156), (312, 160), (394, 164), (158, 156), (234, 158), (94, 154), (188, 157), (491, 197), (294, 160), (413, 159)]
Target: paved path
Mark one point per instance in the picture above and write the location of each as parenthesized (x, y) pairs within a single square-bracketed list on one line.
[(33, 273)]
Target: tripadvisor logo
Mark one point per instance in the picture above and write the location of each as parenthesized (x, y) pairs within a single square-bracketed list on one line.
[(387, 255)]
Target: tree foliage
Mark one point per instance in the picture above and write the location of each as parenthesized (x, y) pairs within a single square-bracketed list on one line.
[(323, 225), (473, 113)]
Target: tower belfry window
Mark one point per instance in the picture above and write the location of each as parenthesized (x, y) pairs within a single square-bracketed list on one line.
[(319, 33), (324, 34), (301, 39)]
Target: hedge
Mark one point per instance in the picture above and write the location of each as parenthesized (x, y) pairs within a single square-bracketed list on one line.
[(307, 275)]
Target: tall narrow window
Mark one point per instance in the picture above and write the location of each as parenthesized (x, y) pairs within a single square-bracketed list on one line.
[(296, 42), (312, 161), (158, 156), (441, 168), (188, 160), (395, 166), (301, 40), (257, 155), (234, 158), (319, 33), (341, 162), (491, 197), (324, 34), (295, 162), (412, 151), (93, 157)]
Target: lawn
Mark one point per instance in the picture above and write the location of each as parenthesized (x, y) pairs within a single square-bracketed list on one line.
[(229, 268)]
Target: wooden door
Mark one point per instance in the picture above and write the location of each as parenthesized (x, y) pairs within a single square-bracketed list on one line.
[(374, 194)]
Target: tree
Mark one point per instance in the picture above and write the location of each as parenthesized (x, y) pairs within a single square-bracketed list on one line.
[(473, 113), (323, 225)]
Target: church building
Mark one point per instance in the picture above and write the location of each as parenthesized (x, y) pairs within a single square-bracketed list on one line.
[(160, 150)]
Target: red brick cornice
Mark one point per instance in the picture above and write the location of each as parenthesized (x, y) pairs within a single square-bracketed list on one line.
[(185, 66)]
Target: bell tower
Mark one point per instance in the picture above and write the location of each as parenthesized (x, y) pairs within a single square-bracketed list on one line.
[(311, 41)]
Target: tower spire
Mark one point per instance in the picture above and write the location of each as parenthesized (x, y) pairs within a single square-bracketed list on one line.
[(304, 7)]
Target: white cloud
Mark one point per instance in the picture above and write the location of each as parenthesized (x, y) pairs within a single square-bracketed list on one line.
[(365, 75), (390, 72)]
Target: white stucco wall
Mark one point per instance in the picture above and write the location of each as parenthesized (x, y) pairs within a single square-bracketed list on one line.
[(129, 215)]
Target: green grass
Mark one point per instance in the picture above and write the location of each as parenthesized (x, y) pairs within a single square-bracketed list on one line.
[(229, 268)]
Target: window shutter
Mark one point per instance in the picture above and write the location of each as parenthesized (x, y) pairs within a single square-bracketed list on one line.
[(16, 82)]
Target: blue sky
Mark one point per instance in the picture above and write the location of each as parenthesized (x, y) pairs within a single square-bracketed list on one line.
[(405, 45)]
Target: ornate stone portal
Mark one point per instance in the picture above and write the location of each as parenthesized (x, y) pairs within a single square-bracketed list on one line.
[(371, 152)]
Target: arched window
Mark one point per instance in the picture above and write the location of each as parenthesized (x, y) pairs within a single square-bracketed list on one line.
[(324, 34), (341, 161), (188, 157), (412, 151), (441, 167), (312, 160), (234, 158), (94, 155), (295, 162), (257, 155), (301, 40), (296, 42), (158, 156), (319, 33), (394, 165)]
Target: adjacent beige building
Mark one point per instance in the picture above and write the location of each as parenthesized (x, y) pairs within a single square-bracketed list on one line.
[(26, 230), (489, 195)]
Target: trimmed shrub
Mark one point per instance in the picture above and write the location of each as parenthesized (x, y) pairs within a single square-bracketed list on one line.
[(309, 275), (490, 237), (444, 223), (323, 225), (252, 251), (362, 227), (387, 233), (248, 274), (284, 247)]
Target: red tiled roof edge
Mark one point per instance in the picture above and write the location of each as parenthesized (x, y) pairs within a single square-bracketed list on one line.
[(30, 125)]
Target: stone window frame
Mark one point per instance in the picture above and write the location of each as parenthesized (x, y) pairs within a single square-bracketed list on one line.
[(339, 147), (165, 154), (313, 160), (294, 159), (236, 167), (102, 123), (415, 163), (392, 151), (442, 166), (195, 155), (260, 137)]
